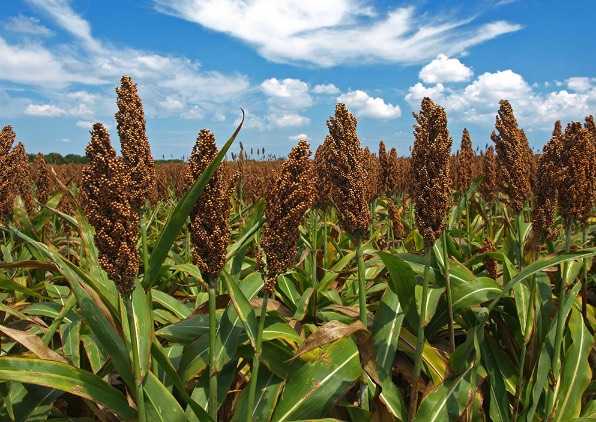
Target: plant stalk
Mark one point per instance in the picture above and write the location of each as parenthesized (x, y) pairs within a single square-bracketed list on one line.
[(520, 241), (527, 336), (252, 386), (361, 282), (140, 396), (448, 289), (212, 408), (420, 337), (556, 362)]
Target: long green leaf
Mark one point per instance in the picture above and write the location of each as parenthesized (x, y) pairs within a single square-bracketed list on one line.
[(243, 307), (386, 327), (161, 405), (143, 327), (181, 212), (576, 369), (447, 400), (315, 387), (66, 378), (403, 280)]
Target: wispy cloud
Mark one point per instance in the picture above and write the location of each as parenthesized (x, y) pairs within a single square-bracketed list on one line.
[(27, 25), (333, 32)]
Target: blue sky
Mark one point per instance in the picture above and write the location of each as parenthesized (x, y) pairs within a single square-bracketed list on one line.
[(287, 63)]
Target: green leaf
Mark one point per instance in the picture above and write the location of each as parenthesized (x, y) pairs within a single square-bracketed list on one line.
[(464, 297), (161, 405), (66, 378), (180, 214), (316, 386), (143, 327), (171, 304), (403, 280), (243, 308), (577, 373), (447, 400), (268, 388), (386, 327), (185, 331), (500, 409)]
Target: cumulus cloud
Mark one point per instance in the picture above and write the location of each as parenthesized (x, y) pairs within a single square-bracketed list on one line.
[(288, 120), (45, 110), (478, 101), (326, 89), (581, 84), (287, 93), (298, 137), (363, 105), (444, 69), (333, 32)]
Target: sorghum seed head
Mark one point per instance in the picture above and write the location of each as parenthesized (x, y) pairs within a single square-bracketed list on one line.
[(288, 197), (105, 198), (347, 173), (430, 170), (464, 164), (514, 157), (210, 231), (136, 151)]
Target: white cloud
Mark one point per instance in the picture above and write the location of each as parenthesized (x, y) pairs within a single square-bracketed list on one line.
[(444, 69), (581, 84), (298, 137), (287, 93), (326, 89), (363, 105), (333, 32), (478, 102), (27, 25), (45, 110), (96, 64), (288, 120)]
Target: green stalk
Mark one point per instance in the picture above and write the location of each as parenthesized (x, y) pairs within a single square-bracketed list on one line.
[(361, 282), (586, 268), (524, 348), (135, 360), (252, 386), (468, 238), (212, 408), (420, 337), (448, 289), (313, 269), (363, 318), (324, 238), (556, 362), (520, 241)]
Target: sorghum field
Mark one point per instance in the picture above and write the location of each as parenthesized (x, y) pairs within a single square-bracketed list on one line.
[(342, 285)]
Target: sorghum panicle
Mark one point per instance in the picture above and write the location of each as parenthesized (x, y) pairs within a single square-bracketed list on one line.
[(209, 230), (288, 197), (546, 190), (105, 198), (136, 151), (465, 162), (374, 180), (42, 178), (514, 157), (395, 217), (22, 175), (7, 137), (430, 170), (323, 193), (577, 190), (490, 264), (488, 187), (347, 173)]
